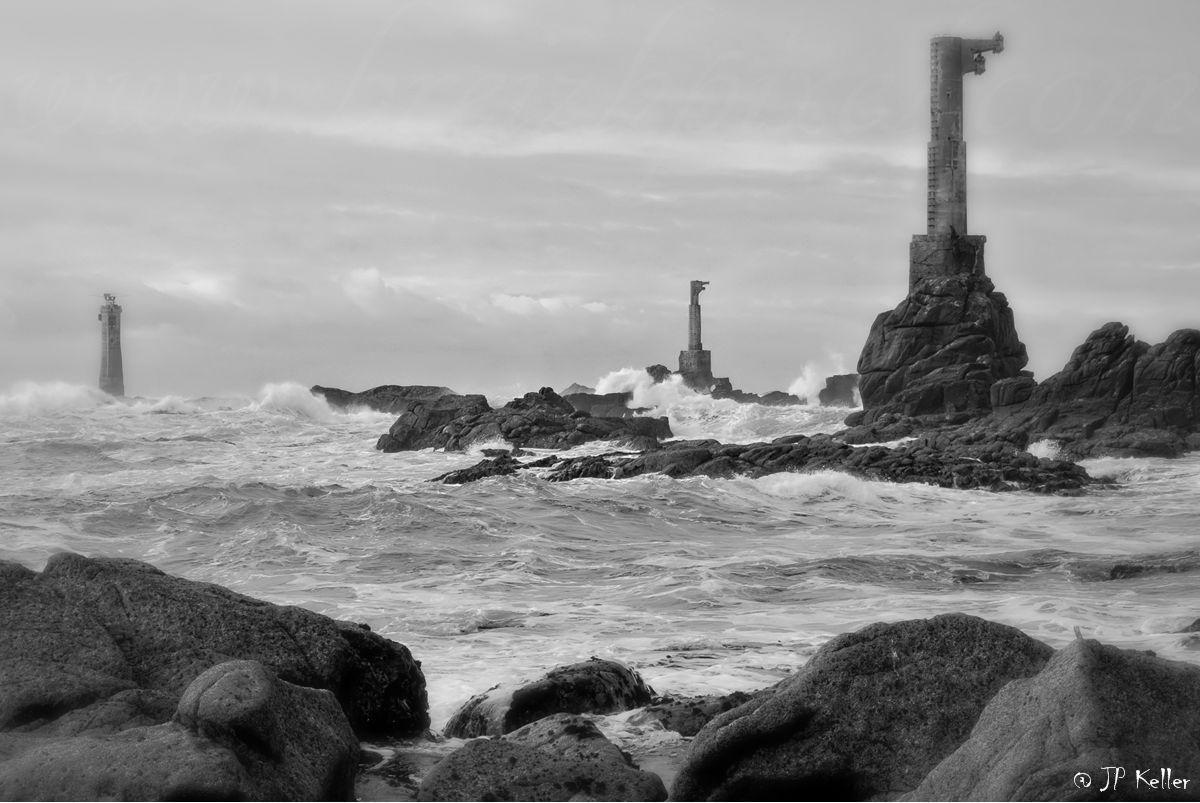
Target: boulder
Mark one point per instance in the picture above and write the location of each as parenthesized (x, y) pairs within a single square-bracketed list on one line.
[(839, 391), (422, 424), (239, 733), (595, 686), (385, 398), (88, 639), (867, 717), (562, 757), (1093, 706), (940, 350), (780, 398)]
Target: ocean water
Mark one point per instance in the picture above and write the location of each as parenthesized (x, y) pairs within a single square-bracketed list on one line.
[(703, 585)]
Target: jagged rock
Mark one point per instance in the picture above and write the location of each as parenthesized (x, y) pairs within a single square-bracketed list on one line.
[(385, 398), (867, 717), (89, 638), (561, 757), (839, 391), (687, 715), (239, 733), (1093, 706), (604, 405), (541, 420), (780, 398), (575, 387), (940, 350), (659, 373), (595, 686)]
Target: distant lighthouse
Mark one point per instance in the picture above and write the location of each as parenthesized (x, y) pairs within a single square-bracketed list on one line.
[(112, 377)]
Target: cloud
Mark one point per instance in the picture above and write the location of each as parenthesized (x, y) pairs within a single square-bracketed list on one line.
[(527, 306)]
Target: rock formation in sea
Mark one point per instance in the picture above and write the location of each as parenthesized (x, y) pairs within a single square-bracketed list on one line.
[(123, 682), (993, 465), (385, 398), (541, 420)]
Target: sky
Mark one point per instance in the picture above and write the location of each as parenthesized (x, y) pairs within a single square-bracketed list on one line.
[(497, 195)]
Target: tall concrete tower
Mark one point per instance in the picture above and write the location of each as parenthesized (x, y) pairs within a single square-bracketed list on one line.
[(695, 363), (946, 248), (112, 376)]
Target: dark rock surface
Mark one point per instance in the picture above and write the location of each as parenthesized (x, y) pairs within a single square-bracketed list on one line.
[(385, 398), (839, 391), (1115, 396), (561, 757), (940, 350), (595, 686), (604, 405), (1093, 706), (867, 717), (239, 733), (687, 715), (989, 465), (88, 639), (542, 420), (659, 373)]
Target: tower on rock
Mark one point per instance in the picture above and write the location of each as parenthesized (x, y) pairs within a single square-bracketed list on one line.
[(946, 248), (695, 363), (112, 376)]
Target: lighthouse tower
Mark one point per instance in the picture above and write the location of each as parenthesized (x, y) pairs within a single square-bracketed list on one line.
[(112, 377)]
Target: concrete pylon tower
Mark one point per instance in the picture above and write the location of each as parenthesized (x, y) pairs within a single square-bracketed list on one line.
[(112, 375), (695, 363), (946, 248)]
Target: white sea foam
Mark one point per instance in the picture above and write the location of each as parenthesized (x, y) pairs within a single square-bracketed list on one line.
[(33, 398), (1046, 448)]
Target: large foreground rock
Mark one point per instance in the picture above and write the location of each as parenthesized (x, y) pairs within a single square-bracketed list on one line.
[(1093, 706), (562, 757), (595, 686), (867, 717), (542, 420), (239, 733), (101, 639), (940, 350)]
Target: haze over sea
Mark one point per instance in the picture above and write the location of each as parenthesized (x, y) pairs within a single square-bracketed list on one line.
[(703, 585)]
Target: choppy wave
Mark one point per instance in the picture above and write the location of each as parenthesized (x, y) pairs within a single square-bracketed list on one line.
[(34, 398)]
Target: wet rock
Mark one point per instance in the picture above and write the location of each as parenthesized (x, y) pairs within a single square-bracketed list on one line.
[(422, 424), (239, 733), (867, 717), (562, 757), (595, 686), (659, 373), (385, 398), (603, 405), (687, 715), (88, 638), (1093, 706)]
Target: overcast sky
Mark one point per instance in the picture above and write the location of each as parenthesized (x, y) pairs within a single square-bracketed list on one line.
[(497, 196)]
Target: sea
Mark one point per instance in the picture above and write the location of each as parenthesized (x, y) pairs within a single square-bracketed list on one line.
[(703, 585)]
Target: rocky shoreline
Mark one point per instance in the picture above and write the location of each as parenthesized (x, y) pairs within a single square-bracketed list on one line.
[(122, 682)]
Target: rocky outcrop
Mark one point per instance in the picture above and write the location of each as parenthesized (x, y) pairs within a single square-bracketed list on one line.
[(238, 733), (1094, 706), (774, 398), (542, 420), (940, 351), (602, 405), (90, 640), (385, 398), (595, 686), (867, 717), (993, 465), (840, 391), (561, 757), (659, 372), (575, 387), (1115, 396)]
